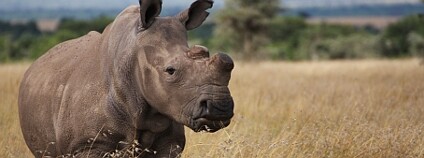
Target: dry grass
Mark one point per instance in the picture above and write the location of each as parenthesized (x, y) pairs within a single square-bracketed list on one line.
[(11, 141), (320, 109)]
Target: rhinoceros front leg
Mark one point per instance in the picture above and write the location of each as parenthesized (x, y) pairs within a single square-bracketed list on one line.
[(169, 143)]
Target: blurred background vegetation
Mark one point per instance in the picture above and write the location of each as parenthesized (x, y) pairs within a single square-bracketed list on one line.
[(247, 29)]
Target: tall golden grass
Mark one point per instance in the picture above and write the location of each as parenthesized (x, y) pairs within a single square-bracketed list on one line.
[(372, 108), (11, 141)]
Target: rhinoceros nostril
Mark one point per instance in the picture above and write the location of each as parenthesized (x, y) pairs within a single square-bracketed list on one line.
[(203, 104), (203, 108)]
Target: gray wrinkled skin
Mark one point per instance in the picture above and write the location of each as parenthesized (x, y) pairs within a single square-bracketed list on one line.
[(135, 82)]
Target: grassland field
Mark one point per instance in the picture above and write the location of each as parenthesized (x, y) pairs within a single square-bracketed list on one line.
[(367, 108)]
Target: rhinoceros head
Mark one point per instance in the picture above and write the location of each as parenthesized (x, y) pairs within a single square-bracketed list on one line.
[(183, 83)]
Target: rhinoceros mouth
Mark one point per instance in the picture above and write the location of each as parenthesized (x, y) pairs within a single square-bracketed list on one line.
[(210, 111), (203, 124), (212, 115)]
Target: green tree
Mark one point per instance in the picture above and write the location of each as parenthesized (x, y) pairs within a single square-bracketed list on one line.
[(4, 48), (242, 25), (293, 39), (46, 42), (82, 27), (20, 48), (285, 34), (394, 42)]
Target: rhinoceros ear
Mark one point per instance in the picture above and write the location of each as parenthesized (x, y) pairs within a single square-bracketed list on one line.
[(149, 9), (194, 16)]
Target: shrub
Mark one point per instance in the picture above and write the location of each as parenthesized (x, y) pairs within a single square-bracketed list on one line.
[(357, 46)]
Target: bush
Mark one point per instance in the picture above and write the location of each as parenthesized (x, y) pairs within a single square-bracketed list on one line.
[(356, 46), (293, 39), (4, 48), (416, 44)]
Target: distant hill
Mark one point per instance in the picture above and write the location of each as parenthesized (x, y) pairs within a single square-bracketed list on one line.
[(393, 10)]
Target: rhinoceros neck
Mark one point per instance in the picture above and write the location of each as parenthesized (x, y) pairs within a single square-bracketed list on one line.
[(125, 96), (119, 44), (123, 91)]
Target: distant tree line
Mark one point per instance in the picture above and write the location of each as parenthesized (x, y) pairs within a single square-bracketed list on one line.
[(252, 29), (246, 35), (25, 41)]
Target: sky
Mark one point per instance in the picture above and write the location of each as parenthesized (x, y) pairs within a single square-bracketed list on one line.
[(117, 4)]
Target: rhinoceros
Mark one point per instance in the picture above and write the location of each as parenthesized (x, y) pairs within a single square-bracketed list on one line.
[(136, 84)]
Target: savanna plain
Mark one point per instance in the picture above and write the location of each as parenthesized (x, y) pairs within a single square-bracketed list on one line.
[(367, 108)]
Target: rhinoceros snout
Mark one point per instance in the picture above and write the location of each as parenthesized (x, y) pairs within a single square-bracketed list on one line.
[(213, 115)]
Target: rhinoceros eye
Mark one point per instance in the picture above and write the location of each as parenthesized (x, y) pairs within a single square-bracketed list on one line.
[(170, 70)]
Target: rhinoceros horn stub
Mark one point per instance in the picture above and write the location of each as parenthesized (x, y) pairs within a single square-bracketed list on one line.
[(222, 62), (149, 9), (198, 52)]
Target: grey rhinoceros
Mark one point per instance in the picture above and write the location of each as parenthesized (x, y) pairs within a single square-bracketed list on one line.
[(138, 81)]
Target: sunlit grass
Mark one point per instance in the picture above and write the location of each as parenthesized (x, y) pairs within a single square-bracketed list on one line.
[(321, 109), (11, 140), (307, 109)]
